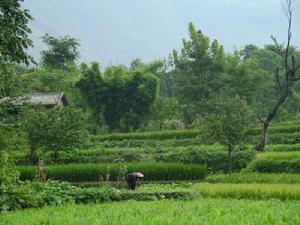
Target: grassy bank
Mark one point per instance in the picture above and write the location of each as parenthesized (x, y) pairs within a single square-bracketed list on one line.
[(205, 211)]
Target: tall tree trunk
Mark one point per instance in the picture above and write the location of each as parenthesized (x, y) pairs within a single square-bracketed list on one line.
[(32, 154), (263, 138), (230, 160), (266, 122)]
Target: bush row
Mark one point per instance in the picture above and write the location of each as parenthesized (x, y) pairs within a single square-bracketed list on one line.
[(283, 147), (276, 131), (275, 166), (279, 155), (254, 178), (291, 128), (216, 161), (94, 172), (35, 195), (249, 191), (214, 158), (141, 143), (160, 135)]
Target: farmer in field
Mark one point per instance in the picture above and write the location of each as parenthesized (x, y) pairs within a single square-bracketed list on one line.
[(133, 179)]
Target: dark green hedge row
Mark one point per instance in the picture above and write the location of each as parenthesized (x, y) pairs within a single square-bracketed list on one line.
[(283, 147), (215, 157), (277, 129), (183, 134), (35, 195), (284, 138), (275, 165), (93, 172), (160, 135), (266, 178), (141, 143), (216, 161)]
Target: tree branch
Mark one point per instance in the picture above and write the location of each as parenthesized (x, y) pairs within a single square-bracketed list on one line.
[(288, 11), (260, 118)]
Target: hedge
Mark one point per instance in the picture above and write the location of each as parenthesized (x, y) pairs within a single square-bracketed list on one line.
[(275, 166), (216, 161), (276, 131), (249, 191), (159, 135), (36, 194), (93, 172), (270, 178), (283, 147)]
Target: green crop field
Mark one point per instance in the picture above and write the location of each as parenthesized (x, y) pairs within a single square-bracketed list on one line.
[(166, 212)]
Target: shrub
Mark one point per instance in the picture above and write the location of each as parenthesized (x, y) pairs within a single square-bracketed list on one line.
[(283, 147), (92, 172), (275, 166), (160, 135), (254, 178), (291, 128), (249, 191), (215, 160)]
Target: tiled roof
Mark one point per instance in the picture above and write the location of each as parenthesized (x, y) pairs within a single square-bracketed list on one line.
[(51, 98)]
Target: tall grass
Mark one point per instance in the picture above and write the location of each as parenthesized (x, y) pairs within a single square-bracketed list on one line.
[(94, 172), (166, 212), (276, 162), (270, 178), (249, 191)]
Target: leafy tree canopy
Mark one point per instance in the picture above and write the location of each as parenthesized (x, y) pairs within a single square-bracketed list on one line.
[(14, 32), (61, 51)]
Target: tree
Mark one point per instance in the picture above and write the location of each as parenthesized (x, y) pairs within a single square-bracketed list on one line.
[(228, 124), (53, 130), (196, 70), (61, 51), (14, 33), (244, 77), (285, 78), (123, 96)]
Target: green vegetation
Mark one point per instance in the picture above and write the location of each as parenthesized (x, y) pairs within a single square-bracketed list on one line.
[(249, 191), (278, 178), (180, 134), (276, 162), (208, 211), (38, 194), (189, 116), (96, 172), (228, 124)]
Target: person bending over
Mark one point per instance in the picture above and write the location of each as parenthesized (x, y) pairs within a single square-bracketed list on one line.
[(133, 179)]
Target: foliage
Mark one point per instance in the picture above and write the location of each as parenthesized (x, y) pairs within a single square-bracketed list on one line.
[(10, 136), (275, 166), (14, 33), (283, 147), (210, 155), (35, 194), (196, 70), (270, 178), (229, 124), (54, 130), (213, 159), (249, 191), (162, 135), (93, 172), (276, 162), (61, 51), (123, 96), (286, 77), (208, 211)]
